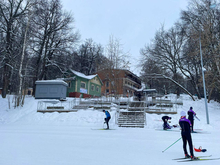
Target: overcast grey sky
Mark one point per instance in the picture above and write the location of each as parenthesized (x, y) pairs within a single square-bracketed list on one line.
[(134, 22)]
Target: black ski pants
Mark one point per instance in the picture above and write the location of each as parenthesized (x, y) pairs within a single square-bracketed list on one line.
[(186, 137), (192, 122), (107, 120)]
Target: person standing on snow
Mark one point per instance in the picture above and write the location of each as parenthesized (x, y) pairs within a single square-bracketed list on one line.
[(191, 114), (185, 125), (165, 122), (108, 117)]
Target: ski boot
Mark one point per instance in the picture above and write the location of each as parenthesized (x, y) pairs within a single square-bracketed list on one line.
[(187, 156), (194, 158)]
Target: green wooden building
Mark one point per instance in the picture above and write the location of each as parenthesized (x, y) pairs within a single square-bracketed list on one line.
[(81, 85)]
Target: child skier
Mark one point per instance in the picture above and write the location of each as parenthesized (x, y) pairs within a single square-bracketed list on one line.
[(165, 122), (108, 117)]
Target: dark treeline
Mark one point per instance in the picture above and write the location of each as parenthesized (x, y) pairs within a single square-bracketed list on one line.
[(175, 52), (38, 41)]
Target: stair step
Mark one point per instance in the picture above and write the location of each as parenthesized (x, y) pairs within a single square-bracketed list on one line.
[(127, 119), (132, 121), (134, 126), (135, 119)]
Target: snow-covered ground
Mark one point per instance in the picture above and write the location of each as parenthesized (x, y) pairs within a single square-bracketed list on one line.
[(28, 137)]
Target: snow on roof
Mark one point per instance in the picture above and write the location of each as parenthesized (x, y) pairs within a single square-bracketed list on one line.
[(146, 90), (51, 82), (67, 79), (83, 75), (150, 90)]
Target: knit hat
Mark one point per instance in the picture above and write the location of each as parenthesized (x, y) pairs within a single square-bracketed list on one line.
[(191, 107), (182, 113)]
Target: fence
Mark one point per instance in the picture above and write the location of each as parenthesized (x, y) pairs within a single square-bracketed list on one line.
[(57, 106)]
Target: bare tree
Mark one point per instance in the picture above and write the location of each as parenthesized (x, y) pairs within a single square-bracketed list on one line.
[(116, 55), (177, 49), (53, 36), (202, 22), (149, 68), (10, 12), (166, 50), (89, 57), (116, 61)]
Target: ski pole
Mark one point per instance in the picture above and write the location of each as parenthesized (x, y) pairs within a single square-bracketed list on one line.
[(172, 144), (196, 117), (103, 124)]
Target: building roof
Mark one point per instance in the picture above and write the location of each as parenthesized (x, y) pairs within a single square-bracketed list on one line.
[(51, 82), (67, 79), (83, 75), (126, 70)]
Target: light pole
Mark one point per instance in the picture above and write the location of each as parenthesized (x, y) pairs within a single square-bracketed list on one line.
[(203, 78)]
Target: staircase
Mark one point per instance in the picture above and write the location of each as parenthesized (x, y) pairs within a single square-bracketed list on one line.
[(133, 117), (83, 105), (137, 106)]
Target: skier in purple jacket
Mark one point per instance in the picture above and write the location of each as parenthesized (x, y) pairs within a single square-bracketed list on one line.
[(191, 114), (165, 122), (185, 125)]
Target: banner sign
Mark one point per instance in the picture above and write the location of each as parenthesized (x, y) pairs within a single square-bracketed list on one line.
[(82, 90)]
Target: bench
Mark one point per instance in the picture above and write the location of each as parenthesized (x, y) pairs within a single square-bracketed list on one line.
[(55, 107)]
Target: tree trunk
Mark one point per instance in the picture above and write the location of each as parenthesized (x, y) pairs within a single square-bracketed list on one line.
[(5, 81)]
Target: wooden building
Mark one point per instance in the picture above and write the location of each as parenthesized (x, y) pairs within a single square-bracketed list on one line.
[(81, 85), (119, 82)]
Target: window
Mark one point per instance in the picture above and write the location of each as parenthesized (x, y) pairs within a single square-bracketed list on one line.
[(107, 84), (69, 84), (107, 91), (92, 87), (83, 85), (97, 89)]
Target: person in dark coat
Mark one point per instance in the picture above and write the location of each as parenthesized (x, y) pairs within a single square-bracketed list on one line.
[(108, 117), (165, 122), (185, 125), (191, 115)]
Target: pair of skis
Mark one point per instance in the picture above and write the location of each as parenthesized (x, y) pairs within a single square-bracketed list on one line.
[(101, 129), (200, 131), (201, 158)]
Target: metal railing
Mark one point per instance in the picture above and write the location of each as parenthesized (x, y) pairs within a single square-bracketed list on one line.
[(56, 105)]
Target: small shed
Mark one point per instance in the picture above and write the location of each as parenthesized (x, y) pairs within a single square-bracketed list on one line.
[(50, 89)]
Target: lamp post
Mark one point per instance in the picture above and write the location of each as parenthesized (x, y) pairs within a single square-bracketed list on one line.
[(203, 78)]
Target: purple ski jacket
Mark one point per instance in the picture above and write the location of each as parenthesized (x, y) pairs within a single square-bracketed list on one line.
[(185, 125), (191, 114)]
